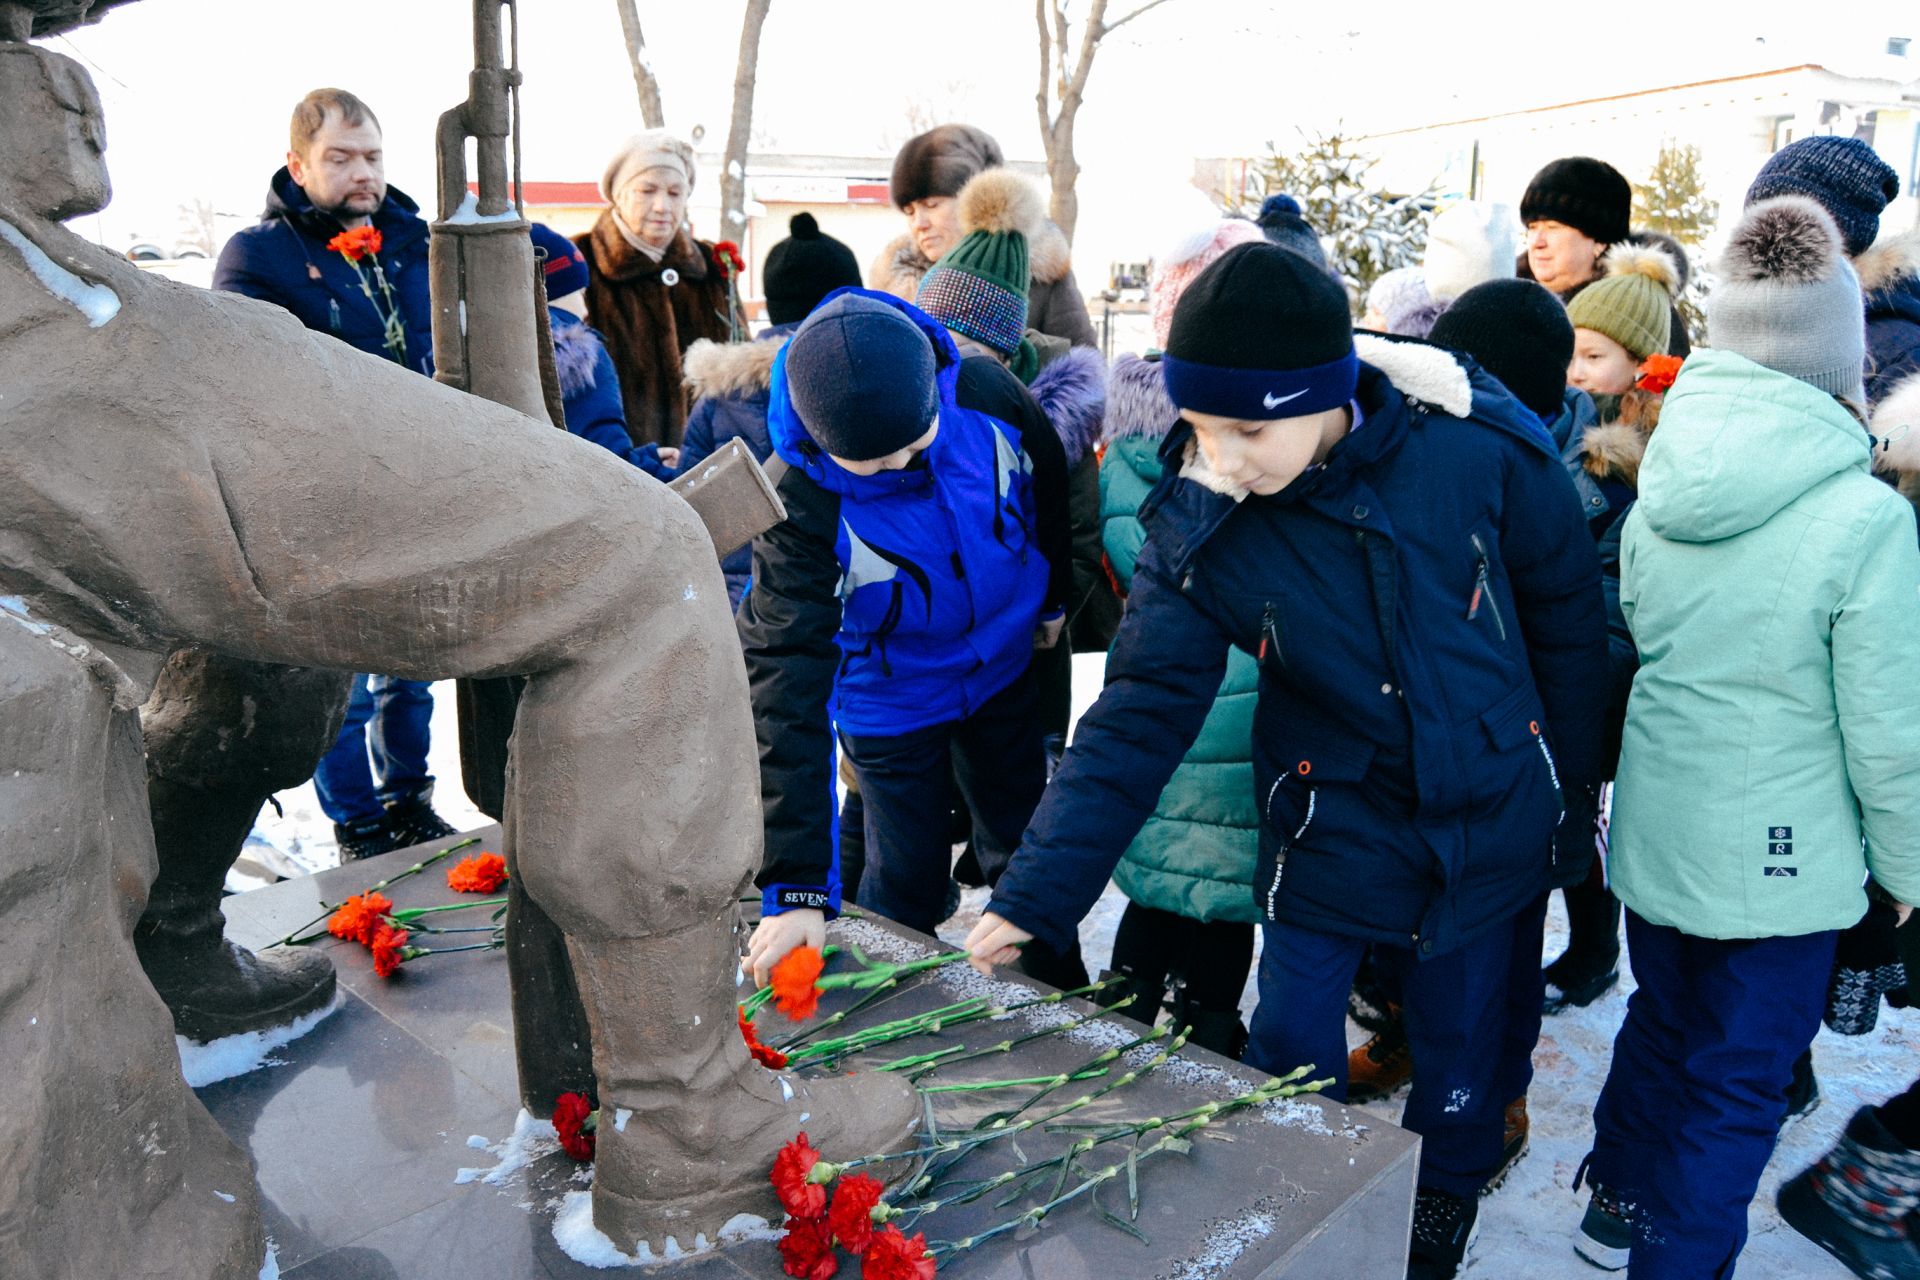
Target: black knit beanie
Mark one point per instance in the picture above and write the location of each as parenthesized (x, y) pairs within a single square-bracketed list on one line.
[(862, 376), (940, 161), (1262, 333), (804, 268), (1588, 195), (1517, 331)]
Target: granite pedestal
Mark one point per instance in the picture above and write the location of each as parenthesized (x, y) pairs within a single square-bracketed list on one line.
[(360, 1131)]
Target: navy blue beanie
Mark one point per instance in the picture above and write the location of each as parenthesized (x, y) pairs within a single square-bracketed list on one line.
[(1262, 333), (565, 265), (1844, 176), (862, 376)]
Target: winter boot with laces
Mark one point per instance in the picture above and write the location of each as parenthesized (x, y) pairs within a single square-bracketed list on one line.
[(1444, 1227), (1383, 1065), (696, 1121), (411, 819), (1855, 1201), (1605, 1237)]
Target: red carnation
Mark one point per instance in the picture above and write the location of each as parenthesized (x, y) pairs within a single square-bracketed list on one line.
[(726, 256), (807, 1249), (482, 874), (1658, 373), (766, 1057), (390, 951), (792, 1182), (574, 1121), (893, 1256), (794, 992), (851, 1215), (358, 918), (357, 243)]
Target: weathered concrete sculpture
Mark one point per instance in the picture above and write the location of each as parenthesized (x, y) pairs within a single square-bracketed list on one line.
[(180, 467)]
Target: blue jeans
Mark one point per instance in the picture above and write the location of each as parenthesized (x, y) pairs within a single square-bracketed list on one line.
[(390, 716), (1698, 1087), (1472, 1048)]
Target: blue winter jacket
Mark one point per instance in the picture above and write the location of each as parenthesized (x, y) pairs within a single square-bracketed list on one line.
[(590, 393), (731, 384), (1426, 611), (284, 260), (889, 603)]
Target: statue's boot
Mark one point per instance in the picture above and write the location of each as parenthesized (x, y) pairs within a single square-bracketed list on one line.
[(222, 735), (689, 1122)]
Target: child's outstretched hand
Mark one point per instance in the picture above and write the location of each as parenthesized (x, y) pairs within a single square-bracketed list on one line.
[(774, 936), (995, 941)]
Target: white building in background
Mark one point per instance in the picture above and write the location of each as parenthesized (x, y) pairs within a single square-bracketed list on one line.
[(1736, 121)]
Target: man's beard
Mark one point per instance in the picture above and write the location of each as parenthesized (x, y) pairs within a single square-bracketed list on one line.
[(346, 208)]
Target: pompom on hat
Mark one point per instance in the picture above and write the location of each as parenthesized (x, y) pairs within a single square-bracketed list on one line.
[(1788, 299), (1183, 261), (1633, 302)]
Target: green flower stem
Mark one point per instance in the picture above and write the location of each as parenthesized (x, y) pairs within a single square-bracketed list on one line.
[(427, 928), (499, 941), (917, 1060), (1008, 1046), (294, 940), (983, 1085), (407, 914), (885, 1033)]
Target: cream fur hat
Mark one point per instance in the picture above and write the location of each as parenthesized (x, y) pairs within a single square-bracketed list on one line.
[(654, 149)]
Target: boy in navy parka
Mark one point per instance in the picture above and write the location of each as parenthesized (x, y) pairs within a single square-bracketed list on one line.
[(924, 557), (1398, 546)]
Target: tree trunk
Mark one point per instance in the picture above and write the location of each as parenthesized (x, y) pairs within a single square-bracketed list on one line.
[(1063, 173), (733, 179), (651, 113)]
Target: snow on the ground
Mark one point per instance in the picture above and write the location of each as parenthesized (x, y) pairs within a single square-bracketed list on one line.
[(1527, 1225), (208, 1063)]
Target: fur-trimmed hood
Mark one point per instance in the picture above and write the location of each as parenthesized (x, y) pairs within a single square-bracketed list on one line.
[(576, 350), (1896, 420), (1137, 404), (1071, 390), (899, 266), (1890, 277), (733, 368)]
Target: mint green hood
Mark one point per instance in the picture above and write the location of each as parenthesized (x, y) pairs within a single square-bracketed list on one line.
[(1737, 443)]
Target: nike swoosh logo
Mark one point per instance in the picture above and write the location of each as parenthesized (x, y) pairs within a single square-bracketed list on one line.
[(1274, 402)]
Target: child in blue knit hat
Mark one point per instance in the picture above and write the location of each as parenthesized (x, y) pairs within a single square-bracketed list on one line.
[(925, 556)]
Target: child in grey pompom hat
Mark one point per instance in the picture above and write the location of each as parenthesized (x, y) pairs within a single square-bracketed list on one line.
[(1789, 300)]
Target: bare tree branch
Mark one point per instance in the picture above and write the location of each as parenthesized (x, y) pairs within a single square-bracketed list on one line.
[(1046, 72), (651, 112), (1118, 23), (733, 178)]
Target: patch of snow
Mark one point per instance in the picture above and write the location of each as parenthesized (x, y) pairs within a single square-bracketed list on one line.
[(468, 214), (478, 1142), (270, 1265), (530, 1140), (224, 1196), (734, 170), (223, 1059), (620, 1117), (690, 593), (786, 1089), (1226, 1242), (96, 302)]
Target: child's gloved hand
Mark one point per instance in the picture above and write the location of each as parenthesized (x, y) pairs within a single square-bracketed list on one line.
[(775, 936), (995, 941), (1047, 634)]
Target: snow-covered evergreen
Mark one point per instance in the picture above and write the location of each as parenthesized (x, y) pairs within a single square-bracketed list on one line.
[(1367, 231)]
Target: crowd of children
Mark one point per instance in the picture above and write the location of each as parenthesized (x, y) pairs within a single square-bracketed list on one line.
[(1519, 592)]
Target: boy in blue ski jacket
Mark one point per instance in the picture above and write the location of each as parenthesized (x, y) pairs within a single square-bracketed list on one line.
[(1397, 545), (925, 554)]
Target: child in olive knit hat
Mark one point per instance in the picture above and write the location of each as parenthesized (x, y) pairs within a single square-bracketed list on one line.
[(1621, 319)]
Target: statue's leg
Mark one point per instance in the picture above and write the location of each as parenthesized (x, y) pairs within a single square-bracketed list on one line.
[(223, 734), (94, 1095)]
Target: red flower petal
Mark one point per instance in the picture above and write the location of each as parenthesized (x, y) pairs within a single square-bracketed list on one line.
[(806, 1251), (794, 992), (851, 1214), (791, 1166)]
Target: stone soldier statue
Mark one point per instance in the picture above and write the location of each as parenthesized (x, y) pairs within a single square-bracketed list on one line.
[(181, 468)]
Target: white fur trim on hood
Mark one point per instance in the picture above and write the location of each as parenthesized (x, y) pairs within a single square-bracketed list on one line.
[(1893, 258), (1896, 420), (712, 368)]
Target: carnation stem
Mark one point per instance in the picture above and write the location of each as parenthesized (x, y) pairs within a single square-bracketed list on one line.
[(982, 1086), (294, 940), (405, 914)]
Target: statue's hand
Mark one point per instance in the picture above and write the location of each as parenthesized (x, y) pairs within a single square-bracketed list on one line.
[(775, 936)]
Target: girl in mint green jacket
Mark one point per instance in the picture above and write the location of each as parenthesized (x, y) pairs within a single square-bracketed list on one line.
[(1771, 758)]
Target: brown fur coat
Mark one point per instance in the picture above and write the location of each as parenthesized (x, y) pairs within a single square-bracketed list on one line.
[(649, 324)]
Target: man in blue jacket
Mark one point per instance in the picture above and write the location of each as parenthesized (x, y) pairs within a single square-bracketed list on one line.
[(1400, 549), (925, 555), (335, 181)]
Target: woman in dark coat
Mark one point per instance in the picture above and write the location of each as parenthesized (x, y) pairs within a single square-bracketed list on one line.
[(655, 289)]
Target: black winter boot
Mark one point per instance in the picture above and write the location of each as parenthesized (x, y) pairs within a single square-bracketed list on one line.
[(412, 820), (367, 838), (1444, 1227), (1590, 966), (1855, 1201)]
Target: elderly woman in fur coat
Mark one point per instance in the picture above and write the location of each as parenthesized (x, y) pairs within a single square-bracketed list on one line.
[(655, 289), (927, 177)]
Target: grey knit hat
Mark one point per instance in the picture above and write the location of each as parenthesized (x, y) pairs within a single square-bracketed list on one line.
[(1788, 299)]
